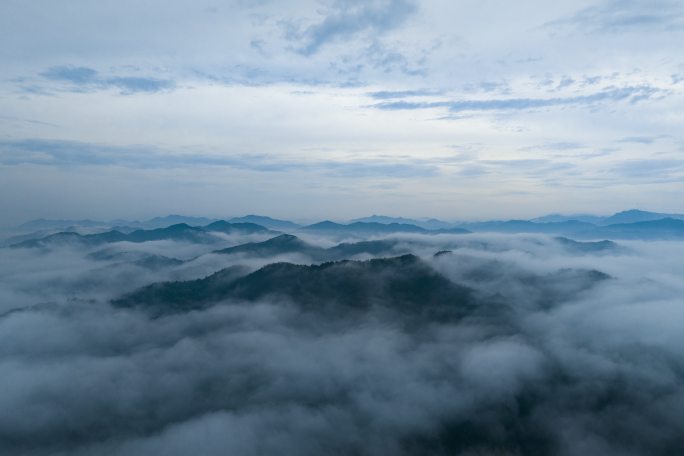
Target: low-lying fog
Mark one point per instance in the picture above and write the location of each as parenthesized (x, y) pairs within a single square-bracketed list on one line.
[(574, 363)]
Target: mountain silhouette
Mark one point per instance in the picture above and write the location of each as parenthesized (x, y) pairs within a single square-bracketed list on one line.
[(665, 228), (268, 222), (284, 243), (177, 232), (287, 243), (587, 247)]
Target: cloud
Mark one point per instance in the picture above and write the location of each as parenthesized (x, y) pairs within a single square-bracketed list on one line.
[(74, 75), (138, 84), (552, 362), (558, 145), (391, 94), (630, 94), (638, 139), (88, 79), (213, 83), (658, 170), (346, 19), (501, 87), (74, 153), (367, 168), (389, 60), (624, 15), (29, 121)]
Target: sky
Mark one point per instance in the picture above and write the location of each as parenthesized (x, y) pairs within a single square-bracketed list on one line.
[(338, 109)]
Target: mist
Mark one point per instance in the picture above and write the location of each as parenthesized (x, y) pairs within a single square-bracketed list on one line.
[(565, 353)]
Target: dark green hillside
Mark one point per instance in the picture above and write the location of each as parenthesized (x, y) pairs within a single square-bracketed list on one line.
[(404, 284), (285, 243)]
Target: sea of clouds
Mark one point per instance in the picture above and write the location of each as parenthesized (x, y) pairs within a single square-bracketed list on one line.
[(568, 365)]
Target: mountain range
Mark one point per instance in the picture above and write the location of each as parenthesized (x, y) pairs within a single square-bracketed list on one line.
[(631, 224), (268, 222), (289, 244), (177, 232), (428, 224), (370, 228), (629, 216)]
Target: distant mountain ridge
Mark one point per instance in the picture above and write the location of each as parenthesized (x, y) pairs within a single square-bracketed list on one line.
[(367, 228), (583, 226), (526, 226), (559, 218), (665, 228), (177, 232), (289, 244), (284, 243), (429, 224), (48, 224), (628, 216), (635, 215), (156, 222), (268, 222), (364, 227)]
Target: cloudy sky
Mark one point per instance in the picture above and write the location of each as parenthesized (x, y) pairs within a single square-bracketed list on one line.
[(331, 109)]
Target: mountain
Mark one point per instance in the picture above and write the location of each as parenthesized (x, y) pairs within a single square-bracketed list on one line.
[(174, 219), (50, 224), (30, 236), (178, 232), (142, 259), (287, 243), (666, 228), (386, 220), (454, 230), (629, 216), (404, 284), (620, 225), (169, 297), (351, 249), (430, 224), (325, 225), (363, 228), (156, 222), (435, 224), (556, 218), (237, 228), (635, 215), (526, 226), (71, 238), (268, 222), (588, 247)]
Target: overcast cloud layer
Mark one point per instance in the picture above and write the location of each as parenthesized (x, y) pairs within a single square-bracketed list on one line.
[(463, 109)]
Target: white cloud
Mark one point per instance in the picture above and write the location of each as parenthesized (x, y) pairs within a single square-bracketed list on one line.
[(233, 80)]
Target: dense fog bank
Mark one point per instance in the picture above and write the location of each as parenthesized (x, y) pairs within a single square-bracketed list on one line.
[(555, 348)]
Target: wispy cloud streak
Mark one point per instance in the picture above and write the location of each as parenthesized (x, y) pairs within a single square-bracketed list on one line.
[(87, 79), (629, 94)]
